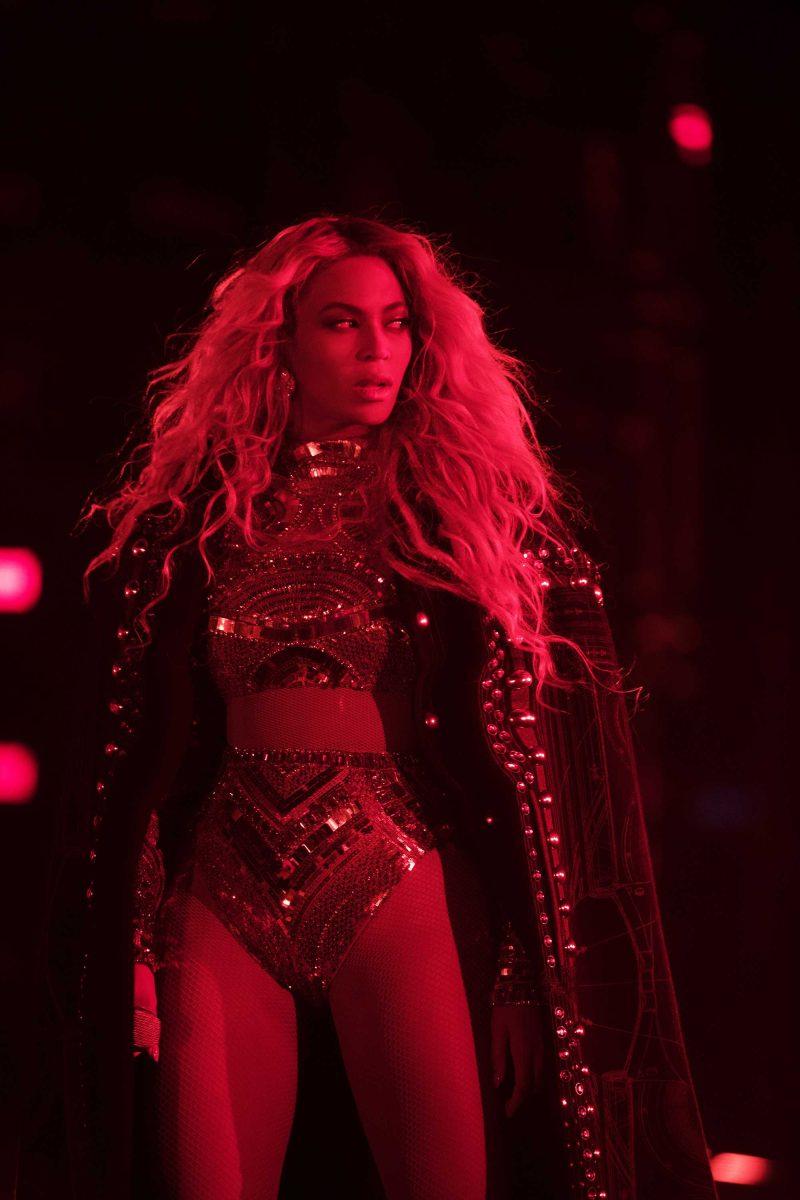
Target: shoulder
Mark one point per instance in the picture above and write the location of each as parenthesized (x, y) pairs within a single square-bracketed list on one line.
[(157, 581), (575, 592), (563, 563), (161, 537)]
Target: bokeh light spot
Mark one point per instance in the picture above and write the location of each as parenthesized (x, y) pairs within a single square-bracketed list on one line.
[(19, 773), (20, 579)]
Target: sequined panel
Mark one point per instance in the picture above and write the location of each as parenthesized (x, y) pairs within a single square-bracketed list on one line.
[(290, 584), (298, 854), (320, 564), (298, 848)]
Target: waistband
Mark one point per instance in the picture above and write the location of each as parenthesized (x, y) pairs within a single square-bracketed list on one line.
[(319, 718)]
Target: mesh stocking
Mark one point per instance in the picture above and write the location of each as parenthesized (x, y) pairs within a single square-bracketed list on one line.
[(227, 1075), (412, 1020), (410, 1007)]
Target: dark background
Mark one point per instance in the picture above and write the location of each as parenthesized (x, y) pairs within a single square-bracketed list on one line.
[(657, 300)]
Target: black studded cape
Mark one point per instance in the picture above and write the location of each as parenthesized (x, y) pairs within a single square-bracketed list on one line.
[(550, 804)]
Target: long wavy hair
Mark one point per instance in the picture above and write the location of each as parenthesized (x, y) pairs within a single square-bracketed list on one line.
[(465, 484)]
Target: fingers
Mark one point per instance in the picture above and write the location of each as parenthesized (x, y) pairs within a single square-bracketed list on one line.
[(523, 1075), (151, 1051), (522, 1083), (499, 1044), (516, 1031), (523, 1056)]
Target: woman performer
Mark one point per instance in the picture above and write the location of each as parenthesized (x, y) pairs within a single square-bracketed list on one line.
[(365, 751)]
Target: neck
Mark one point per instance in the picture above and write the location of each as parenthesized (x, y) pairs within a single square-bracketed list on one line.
[(330, 441), (349, 458), (351, 432), (326, 480)]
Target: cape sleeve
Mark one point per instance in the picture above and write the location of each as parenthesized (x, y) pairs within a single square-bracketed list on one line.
[(631, 1117), (132, 718), (131, 732), (168, 692)]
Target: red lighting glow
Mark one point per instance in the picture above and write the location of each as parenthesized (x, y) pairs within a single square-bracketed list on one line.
[(19, 773), (692, 132), (741, 1168), (20, 579)]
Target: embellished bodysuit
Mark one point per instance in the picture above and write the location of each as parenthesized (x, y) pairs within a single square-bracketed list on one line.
[(322, 804)]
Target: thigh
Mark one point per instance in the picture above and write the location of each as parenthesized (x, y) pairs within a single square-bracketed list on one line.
[(403, 1020), (227, 1074)]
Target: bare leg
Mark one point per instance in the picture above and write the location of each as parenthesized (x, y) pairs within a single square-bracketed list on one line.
[(403, 1021), (228, 1067)]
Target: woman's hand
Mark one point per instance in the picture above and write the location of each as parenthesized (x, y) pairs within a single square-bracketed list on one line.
[(146, 1025), (518, 1028)]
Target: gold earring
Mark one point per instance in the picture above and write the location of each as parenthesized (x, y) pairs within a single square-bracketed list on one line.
[(288, 382)]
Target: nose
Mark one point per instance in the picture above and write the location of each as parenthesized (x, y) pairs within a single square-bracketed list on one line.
[(374, 344)]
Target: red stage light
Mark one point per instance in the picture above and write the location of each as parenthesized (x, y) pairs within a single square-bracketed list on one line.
[(20, 579), (692, 132), (19, 773), (741, 1168)]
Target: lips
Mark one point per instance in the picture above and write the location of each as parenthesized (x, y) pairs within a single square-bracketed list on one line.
[(373, 381)]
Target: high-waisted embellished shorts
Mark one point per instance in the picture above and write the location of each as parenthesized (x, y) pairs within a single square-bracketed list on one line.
[(298, 849)]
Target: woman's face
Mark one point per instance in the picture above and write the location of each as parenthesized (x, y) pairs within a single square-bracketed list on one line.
[(353, 324)]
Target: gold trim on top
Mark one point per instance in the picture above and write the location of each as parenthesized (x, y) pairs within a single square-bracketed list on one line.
[(280, 630)]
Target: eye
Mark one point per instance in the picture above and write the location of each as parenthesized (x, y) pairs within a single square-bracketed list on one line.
[(404, 322)]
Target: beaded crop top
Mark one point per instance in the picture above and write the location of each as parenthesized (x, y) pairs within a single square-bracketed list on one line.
[(316, 609)]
